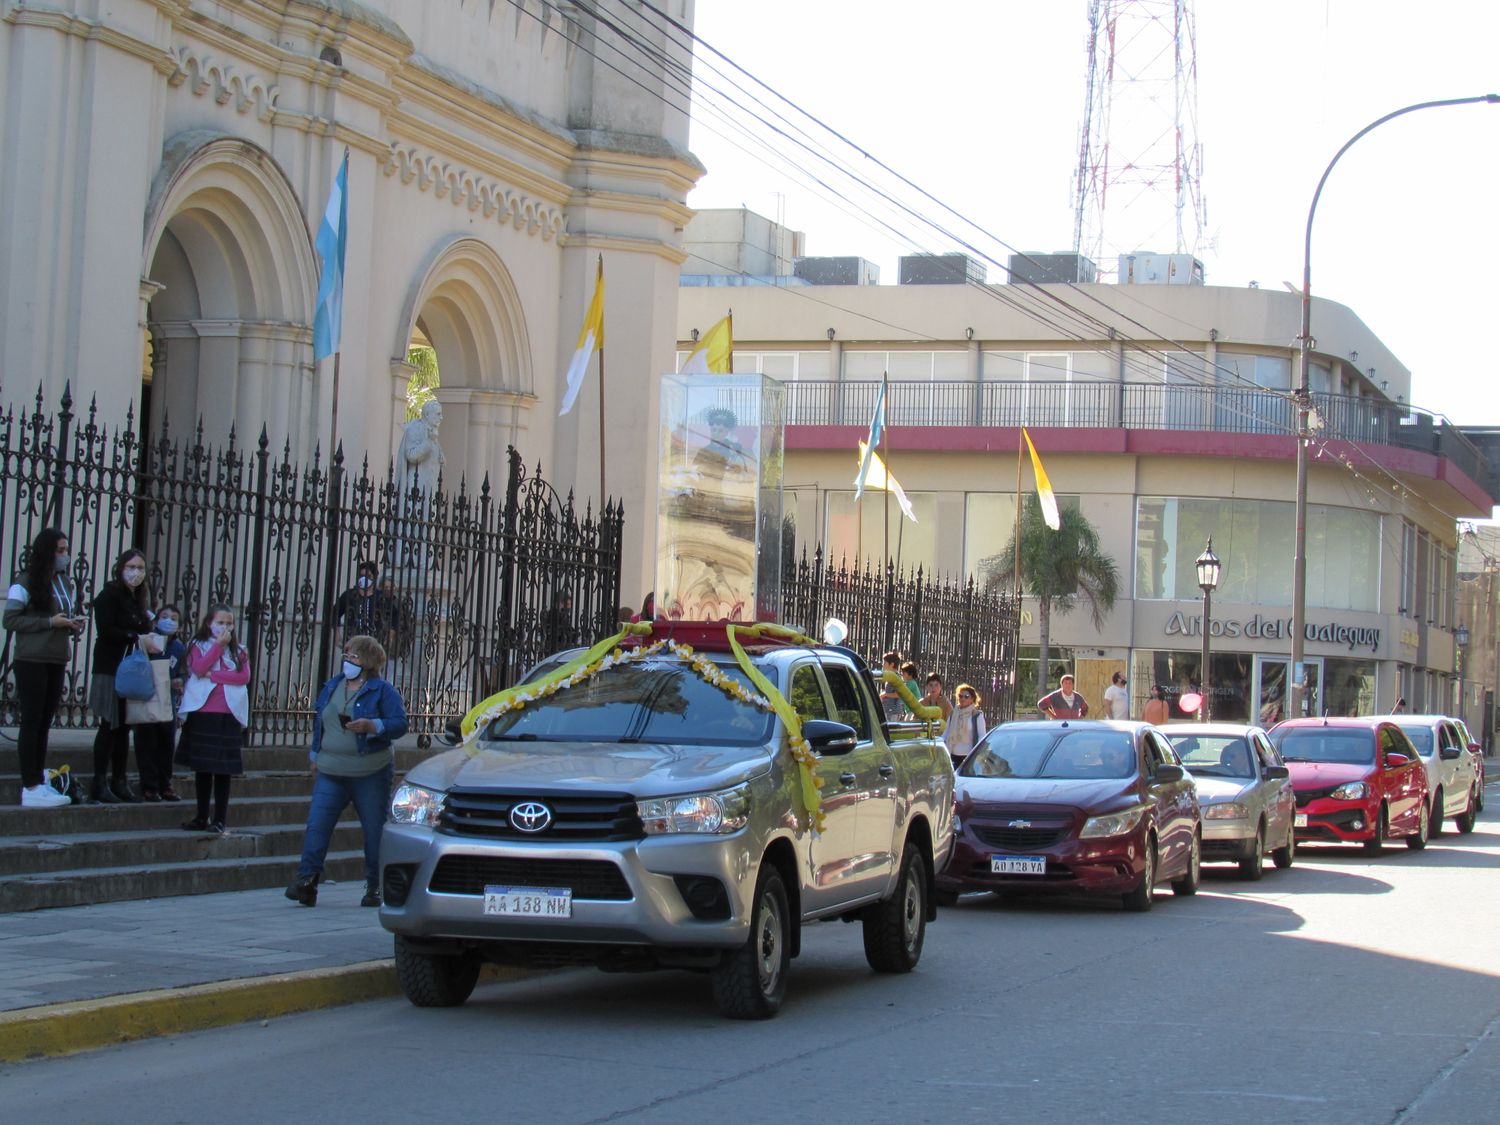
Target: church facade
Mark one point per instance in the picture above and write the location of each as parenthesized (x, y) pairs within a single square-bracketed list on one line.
[(164, 166)]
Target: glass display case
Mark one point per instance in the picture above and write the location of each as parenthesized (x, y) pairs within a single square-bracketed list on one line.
[(718, 531)]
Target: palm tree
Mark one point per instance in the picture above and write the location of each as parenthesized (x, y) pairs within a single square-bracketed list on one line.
[(1057, 567)]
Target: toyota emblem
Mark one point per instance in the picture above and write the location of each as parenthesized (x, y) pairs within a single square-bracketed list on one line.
[(530, 816)]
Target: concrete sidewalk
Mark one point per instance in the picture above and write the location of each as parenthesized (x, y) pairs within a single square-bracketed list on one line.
[(80, 977)]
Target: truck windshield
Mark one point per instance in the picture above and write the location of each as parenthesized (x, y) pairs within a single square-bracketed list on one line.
[(656, 701)]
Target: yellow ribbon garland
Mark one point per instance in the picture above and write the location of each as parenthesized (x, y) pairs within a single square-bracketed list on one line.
[(928, 711)]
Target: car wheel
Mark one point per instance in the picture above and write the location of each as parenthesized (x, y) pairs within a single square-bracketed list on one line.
[(750, 983), (1417, 841), (435, 980), (1139, 900), (1376, 844), (896, 928), (1254, 867), (1188, 884), (1464, 821), (1286, 855), (1479, 795), (1435, 818)]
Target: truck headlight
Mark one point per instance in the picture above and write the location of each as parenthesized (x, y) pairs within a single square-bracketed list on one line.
[(411, 804), (1229, 810), (725, 811), (1115, 824), (1353, 791)]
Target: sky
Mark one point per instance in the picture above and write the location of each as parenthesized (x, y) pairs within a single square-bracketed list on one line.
[(979, 102)]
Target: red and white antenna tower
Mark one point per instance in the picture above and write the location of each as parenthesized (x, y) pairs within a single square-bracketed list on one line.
[(1138, 185)]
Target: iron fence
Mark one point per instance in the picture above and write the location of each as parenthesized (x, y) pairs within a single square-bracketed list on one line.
[(956, 629), (473, 586)]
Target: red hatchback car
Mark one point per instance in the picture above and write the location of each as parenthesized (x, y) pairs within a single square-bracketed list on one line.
[(1074, 805), (1356, 780)]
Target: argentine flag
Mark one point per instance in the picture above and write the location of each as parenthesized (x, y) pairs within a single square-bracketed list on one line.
[(333, 238)]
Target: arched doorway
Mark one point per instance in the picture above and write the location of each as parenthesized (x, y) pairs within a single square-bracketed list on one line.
[(468, 311), (230, 280)]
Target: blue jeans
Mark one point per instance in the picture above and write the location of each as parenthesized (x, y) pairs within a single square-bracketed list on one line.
[(330, 797)]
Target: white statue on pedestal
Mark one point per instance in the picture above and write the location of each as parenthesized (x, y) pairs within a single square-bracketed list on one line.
[(420, 453)]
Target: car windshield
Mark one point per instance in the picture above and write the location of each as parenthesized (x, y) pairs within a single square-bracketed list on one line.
[(1028, 751), (1421, 738), (656, 700), (1326, 744), (1213, 755)]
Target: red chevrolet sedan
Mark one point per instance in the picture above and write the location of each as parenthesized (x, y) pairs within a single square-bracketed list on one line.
[(1356, 780), (1074, 805)]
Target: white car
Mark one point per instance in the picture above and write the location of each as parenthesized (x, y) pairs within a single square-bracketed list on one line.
[(1453, 779), (1248, 804)]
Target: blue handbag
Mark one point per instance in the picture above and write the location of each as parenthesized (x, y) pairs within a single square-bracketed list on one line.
[(133, 679)]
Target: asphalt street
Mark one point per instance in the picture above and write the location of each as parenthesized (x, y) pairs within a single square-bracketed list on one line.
[(1344, 990)]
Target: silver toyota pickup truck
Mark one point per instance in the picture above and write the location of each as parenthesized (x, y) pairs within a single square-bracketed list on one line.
[(647, 817)]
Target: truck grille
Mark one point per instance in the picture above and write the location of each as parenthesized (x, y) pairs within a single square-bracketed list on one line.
[(588, 878), (575, 816)]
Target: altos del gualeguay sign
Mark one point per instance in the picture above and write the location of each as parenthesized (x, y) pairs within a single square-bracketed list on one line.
[(1275, 628)]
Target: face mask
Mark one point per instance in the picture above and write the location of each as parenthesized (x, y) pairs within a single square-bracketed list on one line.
[(133, 576), (218, 629), (352, 671), (62, 562), (365, 583), (166, 626)]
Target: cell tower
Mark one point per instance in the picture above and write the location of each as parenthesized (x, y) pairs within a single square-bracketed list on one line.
[(1138, 185)]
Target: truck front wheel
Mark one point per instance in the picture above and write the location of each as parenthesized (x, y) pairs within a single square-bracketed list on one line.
[(750, 983), (896, 928), (435, 980)]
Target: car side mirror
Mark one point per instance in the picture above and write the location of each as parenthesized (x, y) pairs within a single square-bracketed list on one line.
[(827, 737), (1166, 773), (1450, 753), (1276, 773), (1392, 760)]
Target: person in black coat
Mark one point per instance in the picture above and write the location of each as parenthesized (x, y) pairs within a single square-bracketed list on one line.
[(121, 618)]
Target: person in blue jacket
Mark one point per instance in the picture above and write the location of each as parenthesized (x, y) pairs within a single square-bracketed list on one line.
[(357, 718)]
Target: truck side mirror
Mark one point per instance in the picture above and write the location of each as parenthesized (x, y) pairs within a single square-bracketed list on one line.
[(827, 737)]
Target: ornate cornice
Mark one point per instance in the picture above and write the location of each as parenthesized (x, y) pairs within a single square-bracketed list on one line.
[(203, 73), (477, 193)]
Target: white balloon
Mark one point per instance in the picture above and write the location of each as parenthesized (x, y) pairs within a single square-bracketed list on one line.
[(834, 631)]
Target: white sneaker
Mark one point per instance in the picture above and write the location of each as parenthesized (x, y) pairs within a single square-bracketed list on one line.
[(42, 797)]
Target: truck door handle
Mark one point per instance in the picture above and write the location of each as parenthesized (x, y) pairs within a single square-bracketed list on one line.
[(847, 779), (887, 769)]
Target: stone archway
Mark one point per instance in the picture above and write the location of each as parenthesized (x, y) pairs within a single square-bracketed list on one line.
[(467, 308), (230, 281)]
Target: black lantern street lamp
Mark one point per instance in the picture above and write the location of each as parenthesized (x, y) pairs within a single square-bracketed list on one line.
[(1208, 580), (1461, 639)]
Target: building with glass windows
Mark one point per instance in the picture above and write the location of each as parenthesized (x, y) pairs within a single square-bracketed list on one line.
[(1163, 412)]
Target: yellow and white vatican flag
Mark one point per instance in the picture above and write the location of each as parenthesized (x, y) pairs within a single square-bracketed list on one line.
[(590, 336), (877, 477), (1043, 486), (714, 354)]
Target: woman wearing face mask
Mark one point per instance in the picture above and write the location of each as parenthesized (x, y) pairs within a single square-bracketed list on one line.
[(216, 711), (356, 718), (121, 618), (153, 741), (41, 614)]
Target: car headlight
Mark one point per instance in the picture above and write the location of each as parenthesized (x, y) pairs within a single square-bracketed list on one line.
[(1354, 791), (1115, 824), (411, 804), (1228, 810), (714, 813)]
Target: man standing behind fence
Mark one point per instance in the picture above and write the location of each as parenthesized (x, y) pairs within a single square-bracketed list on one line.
[(361, 609)]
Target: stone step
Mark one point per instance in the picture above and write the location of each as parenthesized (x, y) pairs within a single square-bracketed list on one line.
[(290, 758), (68, 819), (254, 784), (33, 855), (84, 886)]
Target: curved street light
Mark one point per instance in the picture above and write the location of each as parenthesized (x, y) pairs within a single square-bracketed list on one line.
[(1303, 398)]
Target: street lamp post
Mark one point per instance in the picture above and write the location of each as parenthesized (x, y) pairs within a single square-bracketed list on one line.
[(1461, 639), (1303, 398), (1208, 580)]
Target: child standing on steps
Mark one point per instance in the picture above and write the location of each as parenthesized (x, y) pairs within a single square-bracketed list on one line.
[(154, 741), (215, 710)]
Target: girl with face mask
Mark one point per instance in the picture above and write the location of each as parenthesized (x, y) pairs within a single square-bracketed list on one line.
[(154, 741), (356, 719), (216, 711), (121, 619)]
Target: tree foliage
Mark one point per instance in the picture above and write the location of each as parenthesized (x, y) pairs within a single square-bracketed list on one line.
[(424, 380)]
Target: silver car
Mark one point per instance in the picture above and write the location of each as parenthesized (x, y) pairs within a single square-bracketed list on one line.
[(1453, 777), (1248, 804)]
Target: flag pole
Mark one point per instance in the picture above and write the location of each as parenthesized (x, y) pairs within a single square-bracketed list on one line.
[(885, 451), (333, 422), (1019, 433), (601, 394)]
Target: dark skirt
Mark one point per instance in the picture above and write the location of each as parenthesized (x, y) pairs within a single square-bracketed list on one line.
[(103, 701), (210, 743)]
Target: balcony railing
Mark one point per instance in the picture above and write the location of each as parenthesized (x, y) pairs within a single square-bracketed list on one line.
[(1135, 406)]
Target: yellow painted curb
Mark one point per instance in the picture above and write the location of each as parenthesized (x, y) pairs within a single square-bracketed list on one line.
[(86, 1025)]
